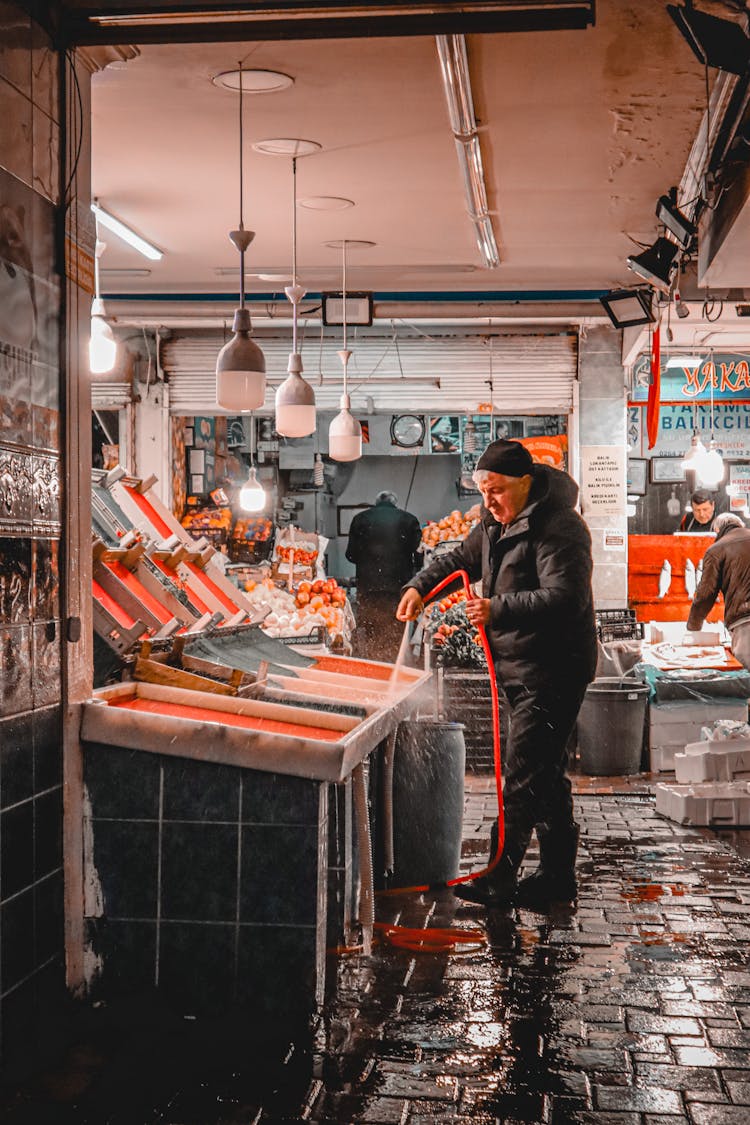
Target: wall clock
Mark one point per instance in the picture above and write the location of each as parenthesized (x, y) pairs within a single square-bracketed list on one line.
[(407, 430)]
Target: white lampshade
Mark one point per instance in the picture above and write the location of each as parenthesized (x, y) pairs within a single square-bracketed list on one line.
[(345, 434), (252, 496), (102, 343), (711, 467), (295, 402), (695, 453), (241, 368)]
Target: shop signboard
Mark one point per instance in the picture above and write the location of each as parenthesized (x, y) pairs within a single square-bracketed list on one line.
[(739, 488), (728, 423), (725, 374)]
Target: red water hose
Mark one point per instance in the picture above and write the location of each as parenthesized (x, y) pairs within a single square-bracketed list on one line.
[(428, 940)]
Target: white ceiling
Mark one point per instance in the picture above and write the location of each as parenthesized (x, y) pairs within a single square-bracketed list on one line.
[(581, 131)]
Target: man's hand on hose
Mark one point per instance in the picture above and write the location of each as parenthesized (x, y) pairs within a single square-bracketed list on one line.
[(478, 610), (410, 606)]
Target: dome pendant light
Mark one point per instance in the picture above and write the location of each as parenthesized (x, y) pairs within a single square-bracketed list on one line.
[(102, 343), (345, 432), (711, 466), (295, 398), (252, 496), (240, 365)]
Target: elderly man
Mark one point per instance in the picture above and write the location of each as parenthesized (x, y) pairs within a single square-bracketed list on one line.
[(532, 552), (726, 570)]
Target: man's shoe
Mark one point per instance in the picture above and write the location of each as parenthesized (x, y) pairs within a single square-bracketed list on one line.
[(555, 878), (487, 891), (543, 889)]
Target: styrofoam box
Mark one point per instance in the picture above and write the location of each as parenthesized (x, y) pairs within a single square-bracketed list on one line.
[(713, 760), (712, 805), (672, 725)]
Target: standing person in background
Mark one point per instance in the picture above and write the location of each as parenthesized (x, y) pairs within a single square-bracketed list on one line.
[(701, 514), (726, 570), (383, 543), (532, 552)]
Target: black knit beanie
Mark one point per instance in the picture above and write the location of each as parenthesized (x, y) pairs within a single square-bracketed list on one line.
[(507, 457)]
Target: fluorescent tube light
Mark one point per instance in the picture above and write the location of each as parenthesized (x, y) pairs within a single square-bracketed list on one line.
[(125, 233)]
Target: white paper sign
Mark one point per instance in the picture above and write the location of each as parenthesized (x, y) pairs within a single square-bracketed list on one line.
[(614, 540), (603, 479)]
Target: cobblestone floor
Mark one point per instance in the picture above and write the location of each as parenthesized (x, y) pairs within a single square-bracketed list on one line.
[(633, 1009)]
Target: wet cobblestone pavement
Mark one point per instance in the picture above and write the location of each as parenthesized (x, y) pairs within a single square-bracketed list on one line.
[(633, 1009)]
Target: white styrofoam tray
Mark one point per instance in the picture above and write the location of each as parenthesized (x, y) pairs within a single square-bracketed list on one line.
[(713, 761), (692, 714), (710, 805), (662, 757)]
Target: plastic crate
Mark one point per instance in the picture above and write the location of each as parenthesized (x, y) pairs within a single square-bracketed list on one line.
[(249, 550), (713, 805), (620, 631), (603, 616)]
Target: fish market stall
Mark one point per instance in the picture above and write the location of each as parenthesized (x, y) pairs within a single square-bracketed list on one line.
[(222, 853)]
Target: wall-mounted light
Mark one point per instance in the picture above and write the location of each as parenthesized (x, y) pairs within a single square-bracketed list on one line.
[(713, 41), (657, 264), (678, 224), (625, 307)]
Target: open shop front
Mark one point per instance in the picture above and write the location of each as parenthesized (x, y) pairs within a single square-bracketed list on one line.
[(227, 693), (699, 691)]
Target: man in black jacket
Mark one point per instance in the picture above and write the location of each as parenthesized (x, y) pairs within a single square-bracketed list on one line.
[(726, 570), (383, 543), (532, 552)]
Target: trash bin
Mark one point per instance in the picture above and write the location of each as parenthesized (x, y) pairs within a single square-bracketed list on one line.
[(428, 802), (610, 726)]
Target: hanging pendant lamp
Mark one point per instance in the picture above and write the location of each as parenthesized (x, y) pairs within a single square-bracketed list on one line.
[(295, 398), (102, 343), (711, 466), (240, 365), (345, 432), (252, 496)]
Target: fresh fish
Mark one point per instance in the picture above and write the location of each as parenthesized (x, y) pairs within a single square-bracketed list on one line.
[(665, 578), (690, 578), (699, 574)]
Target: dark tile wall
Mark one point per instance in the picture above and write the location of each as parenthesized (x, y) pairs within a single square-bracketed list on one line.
[(206, 882), (31, 879)]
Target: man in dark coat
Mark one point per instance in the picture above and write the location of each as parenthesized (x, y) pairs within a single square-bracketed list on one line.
[(383, 543), (726, 570), (532, 552)]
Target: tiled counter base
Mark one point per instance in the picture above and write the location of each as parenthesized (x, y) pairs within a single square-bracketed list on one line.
[(210, 883)]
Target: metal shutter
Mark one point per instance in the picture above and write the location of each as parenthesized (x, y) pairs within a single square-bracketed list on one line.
[(110, 396), (530, 373)]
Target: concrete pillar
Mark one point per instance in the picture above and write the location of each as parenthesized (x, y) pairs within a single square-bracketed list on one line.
[(602, 422)]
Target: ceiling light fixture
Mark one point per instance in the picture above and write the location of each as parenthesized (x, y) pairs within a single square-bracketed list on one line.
[(240, 365), (286, 146), (102, 343), (253, 81), (326, 203), (625, 307), (344, 432), (657, 264), (126, 233), (295, 398), (677, 223), (711, 466), (454, 69)]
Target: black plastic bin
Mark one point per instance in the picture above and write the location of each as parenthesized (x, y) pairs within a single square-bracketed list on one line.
[(610, 726), (428, 802)]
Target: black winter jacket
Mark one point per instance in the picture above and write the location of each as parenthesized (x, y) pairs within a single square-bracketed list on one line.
[(726, 569), (536, 571), (383, 542)]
